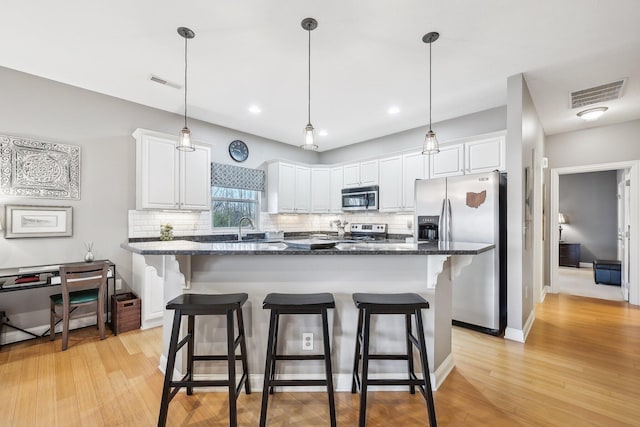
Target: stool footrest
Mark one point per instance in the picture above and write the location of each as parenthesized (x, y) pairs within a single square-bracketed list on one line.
[(200, 383), (296, 383), (215, 357), (388, 356), (391, 381), (299, 357)]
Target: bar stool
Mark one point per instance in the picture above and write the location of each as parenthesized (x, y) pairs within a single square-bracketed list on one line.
[(408, 304), (192, 305), (296, 304)]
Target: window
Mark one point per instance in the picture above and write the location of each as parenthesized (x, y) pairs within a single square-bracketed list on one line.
[(231, 204)]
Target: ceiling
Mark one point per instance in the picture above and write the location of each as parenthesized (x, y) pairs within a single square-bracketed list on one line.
[(365, 58)]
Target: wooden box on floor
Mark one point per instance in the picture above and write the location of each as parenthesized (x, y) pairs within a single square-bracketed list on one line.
[(125, 309)]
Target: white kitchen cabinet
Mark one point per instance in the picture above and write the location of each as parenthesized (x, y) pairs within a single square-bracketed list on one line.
[(148, 284), (390, 184), (320, 190), (302, 202), (289, 188), (361, 174), (448, 162), (485, 155), (414, 166), (167, 178), (337, 182), (397, 180)]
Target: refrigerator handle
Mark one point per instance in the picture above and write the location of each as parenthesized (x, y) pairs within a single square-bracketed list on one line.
[(442, 223), (449, 219)]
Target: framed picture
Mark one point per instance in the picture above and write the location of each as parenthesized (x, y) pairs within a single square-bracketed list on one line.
[(38, 221)]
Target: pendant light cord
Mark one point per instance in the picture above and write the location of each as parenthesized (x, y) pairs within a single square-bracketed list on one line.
[(185, 82), (309, 81), (430, 85)]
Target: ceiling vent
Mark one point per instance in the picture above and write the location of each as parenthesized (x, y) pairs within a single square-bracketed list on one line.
[(162, 81), (597, 94)]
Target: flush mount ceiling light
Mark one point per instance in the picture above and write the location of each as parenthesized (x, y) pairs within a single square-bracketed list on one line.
[(592, 113), (430, 145), (309, 24), (184, 140)]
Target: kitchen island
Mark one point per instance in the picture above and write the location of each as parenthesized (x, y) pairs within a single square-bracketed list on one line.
[(163, 270)]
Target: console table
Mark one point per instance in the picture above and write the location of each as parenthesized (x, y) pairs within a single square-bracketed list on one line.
[(41, 276), (569, 254)]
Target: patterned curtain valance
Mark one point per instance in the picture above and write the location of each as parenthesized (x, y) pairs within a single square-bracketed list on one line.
[(236, 177)]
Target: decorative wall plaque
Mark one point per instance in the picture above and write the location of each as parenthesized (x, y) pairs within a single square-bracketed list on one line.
[(33, 168)]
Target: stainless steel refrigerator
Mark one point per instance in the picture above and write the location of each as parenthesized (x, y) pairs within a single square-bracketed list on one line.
[(470, 208)]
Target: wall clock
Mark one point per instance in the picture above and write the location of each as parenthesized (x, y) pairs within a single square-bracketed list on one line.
[(238, 150)]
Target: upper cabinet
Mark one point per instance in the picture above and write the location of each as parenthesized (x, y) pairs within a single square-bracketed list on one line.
[(448, 162), (414, 166), (398, 176), (390, 184), (320, 190), (289, 188), (337, 182), (361, 174), (167, 178), (485, 155), (326, 188)]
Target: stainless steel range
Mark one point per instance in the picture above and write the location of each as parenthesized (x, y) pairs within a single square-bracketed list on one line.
[(367, 232)]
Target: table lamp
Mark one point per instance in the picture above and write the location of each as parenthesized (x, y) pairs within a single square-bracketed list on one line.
[(562, 219)]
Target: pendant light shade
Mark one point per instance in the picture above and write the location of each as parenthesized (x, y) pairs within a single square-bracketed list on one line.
[(430, 145), (184, 140), (309, 133)]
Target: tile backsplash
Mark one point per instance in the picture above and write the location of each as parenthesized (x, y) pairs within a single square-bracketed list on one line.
[(398, 223), (147, 223)]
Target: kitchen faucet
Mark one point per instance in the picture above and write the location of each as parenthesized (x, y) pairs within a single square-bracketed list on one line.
[(240, 225), (340, 225)]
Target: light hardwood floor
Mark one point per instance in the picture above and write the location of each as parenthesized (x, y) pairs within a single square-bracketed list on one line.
[(580, 366)]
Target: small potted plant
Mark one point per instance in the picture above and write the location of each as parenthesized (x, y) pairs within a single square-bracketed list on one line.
[(166, 232)]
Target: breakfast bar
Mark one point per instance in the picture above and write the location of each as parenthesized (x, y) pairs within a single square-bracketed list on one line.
[(170, 268)]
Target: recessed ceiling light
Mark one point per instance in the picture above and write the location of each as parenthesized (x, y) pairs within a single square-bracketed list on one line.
[(393, 110), (255, 109), (592, 113), (323, 133)]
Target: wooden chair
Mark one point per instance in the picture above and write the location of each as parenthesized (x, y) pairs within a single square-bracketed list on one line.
[(82, 284)]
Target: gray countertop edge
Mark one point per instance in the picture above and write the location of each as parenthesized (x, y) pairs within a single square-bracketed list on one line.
[(422, 249)]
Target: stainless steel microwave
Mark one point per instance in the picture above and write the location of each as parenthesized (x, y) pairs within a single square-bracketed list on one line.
[(360, 198)]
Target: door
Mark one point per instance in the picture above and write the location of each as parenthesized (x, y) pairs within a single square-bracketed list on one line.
[(624, 231), (195, 185)]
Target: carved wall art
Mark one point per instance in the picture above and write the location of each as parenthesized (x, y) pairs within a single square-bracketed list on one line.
[(33, 168)]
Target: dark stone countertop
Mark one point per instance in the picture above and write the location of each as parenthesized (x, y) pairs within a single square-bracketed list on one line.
[(184, 247)]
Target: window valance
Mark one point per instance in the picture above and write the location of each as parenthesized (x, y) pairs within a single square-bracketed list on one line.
[(231, 176)]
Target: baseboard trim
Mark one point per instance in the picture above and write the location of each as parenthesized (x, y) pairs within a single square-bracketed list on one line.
[(521, 335)]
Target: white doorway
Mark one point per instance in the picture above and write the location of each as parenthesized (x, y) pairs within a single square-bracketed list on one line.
[(630, 209)]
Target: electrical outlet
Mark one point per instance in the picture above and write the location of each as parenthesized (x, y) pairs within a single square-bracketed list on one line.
[(118, 284), (307, 341)]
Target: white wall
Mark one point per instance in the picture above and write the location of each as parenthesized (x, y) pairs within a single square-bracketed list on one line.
[(592, 145), (102, 126), (525, 148), (488, 121)]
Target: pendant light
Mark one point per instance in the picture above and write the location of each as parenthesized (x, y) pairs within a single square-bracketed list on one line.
[(309, 133), (430, 145), (184, 140)]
